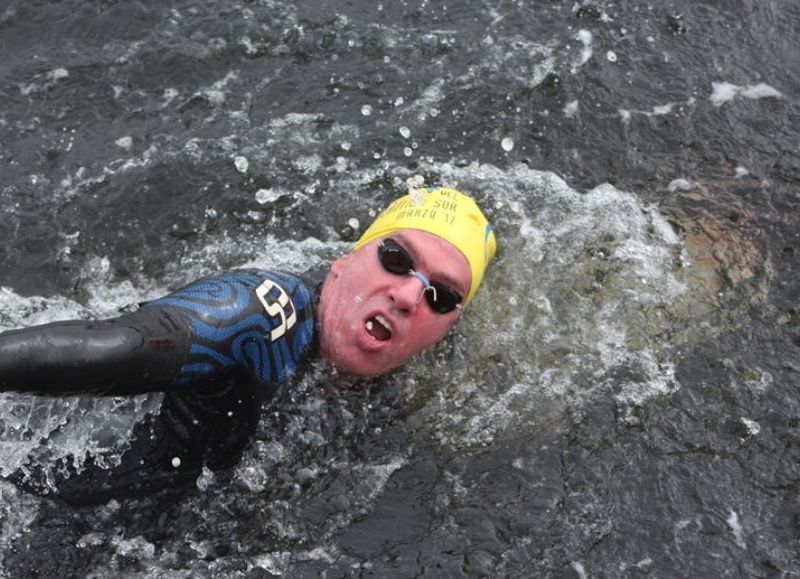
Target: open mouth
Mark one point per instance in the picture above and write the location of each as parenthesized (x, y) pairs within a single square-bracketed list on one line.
[(379, 328)]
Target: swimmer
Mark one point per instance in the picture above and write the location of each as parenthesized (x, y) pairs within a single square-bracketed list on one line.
[(221, 346)]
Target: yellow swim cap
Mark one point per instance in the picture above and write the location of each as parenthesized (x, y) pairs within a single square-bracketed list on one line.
[(447, 213)]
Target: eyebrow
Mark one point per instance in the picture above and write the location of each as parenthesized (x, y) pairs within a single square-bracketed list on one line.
[(439, 276)]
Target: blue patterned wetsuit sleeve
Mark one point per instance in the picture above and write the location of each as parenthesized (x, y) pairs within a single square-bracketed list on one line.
[(257, 320)]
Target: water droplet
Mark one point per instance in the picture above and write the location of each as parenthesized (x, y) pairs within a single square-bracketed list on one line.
[(264, 196), (176, 462), (353, 222), (241, 163), (125, 142), (415, 182), (507, 143), (366, 110), (405, 131), (611, 56)]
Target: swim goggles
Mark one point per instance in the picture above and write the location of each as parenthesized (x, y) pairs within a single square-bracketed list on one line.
[(396, 260)]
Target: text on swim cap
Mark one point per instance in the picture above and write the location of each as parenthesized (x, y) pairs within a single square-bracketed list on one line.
[(447, 217)]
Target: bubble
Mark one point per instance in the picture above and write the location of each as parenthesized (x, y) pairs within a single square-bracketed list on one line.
[(125, 142), (571, 109), (176, 462), (353, 223), (366, 110), (264, 196), (507, 143), (408, 151), (241, 163), (405, 131), (345, 146), (415, 182), (753, 427), (611, 56)]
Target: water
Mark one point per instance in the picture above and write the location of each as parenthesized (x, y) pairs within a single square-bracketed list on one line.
[(620, 399)]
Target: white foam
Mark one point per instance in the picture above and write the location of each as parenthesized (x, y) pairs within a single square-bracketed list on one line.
[(248, 45), (760, 91), (275, 563), (586, 51), (125, 142), (242, 163), (265, 196), (596, 276), (18, 510), (59, 73), (736, 529), (579, 569), (723, 92), (571, 109), (656, 111), (752, 427), (44, 81), (681, 185)]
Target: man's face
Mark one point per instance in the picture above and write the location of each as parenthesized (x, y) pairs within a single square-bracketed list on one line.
[(372, 320)]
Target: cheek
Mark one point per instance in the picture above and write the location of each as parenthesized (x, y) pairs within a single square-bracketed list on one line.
[(431, 331)]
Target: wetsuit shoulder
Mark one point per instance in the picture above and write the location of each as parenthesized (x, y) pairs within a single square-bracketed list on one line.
[(254, 319)]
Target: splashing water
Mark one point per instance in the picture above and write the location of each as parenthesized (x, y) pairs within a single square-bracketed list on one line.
[(584, 287)]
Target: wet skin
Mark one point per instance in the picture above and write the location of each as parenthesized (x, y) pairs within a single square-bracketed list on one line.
[(358, 290)]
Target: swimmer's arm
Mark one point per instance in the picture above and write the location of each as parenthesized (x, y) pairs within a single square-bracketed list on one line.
[(135, 353)]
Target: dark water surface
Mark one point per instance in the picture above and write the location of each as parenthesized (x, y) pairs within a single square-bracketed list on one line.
[(621, 399)]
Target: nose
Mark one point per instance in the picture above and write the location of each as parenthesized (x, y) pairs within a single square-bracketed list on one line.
[(406, 293)]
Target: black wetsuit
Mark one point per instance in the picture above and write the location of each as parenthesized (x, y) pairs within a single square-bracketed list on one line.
[(218, 348)]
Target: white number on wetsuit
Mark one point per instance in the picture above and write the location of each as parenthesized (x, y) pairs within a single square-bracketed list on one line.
[(275, 300)]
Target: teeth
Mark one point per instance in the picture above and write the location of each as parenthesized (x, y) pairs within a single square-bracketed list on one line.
[(384, 322)]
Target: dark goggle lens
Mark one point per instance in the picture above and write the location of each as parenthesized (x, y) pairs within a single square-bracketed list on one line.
[(394, 259), (441, 299)]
